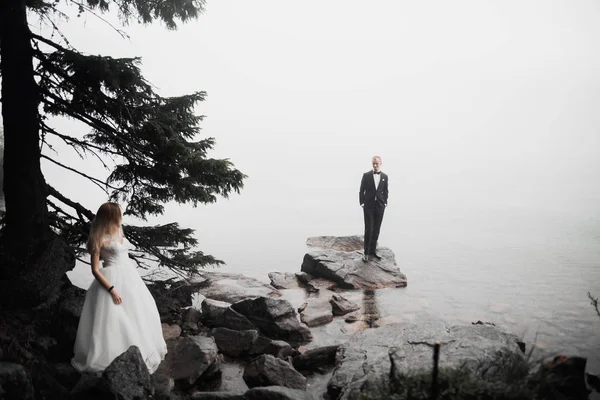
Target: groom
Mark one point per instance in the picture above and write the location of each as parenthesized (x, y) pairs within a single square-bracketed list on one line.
[(373, 198)]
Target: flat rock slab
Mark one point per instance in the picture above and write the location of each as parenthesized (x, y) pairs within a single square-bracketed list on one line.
[(367, 354), (341, 243), (317, 312), (348, 270), (232, 287), (284, 280)]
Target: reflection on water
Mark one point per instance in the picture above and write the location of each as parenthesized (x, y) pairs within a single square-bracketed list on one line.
[(370, 308)]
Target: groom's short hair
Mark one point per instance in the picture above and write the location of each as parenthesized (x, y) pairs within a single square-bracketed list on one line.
[(376, 157)]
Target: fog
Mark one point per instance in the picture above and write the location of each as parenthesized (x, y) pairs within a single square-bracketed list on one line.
[(479, 109)]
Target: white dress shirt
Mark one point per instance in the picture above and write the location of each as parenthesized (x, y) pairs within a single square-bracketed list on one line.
[(377, 178)]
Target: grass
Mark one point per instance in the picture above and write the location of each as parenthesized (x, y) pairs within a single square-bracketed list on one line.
[(507, 376)]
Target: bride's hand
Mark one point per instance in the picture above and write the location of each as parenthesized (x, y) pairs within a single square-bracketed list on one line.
[(116, 297)]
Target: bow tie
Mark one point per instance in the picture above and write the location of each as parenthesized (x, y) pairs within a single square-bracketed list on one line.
[(377, 173)]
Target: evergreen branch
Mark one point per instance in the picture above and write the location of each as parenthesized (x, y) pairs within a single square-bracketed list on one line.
[(84, 261), (75, 143), (594, 302), (78, 207), (82, 6), (93, 122), (95, 181)]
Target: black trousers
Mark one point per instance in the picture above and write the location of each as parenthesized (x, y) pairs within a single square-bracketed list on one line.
[(373, 218)]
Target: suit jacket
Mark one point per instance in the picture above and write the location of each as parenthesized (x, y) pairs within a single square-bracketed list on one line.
[(368, 195)]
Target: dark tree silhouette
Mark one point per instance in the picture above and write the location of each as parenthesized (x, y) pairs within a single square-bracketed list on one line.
[(153, 141)]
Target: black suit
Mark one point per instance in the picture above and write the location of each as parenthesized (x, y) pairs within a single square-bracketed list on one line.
[(374, 200)]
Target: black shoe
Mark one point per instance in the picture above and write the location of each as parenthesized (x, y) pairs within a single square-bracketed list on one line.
[(377, 256), (365, 257)]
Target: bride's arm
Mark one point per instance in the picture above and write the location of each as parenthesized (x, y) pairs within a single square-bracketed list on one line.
[(102, 279)]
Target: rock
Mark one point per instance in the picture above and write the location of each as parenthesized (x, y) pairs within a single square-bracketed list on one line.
[(232, 287), (341, 306), (127, 376), (314, 358), (303, 277), (302, 306), (593, 381), (340, 243), (64, 321), (91, 387), (212, 312), (267, 370), (349, 271), (566, 375), (284, 280), (318, 284), (234, 320), (195, 358), (190, 328), (276, 393), (317, 312), (66, 375), (20, 284), (366, 355), (216, 396), (279, 349), (353, 317), (163, 385), (234, 343), (171, 331), (191, 315), (15, 384), (276, 319)]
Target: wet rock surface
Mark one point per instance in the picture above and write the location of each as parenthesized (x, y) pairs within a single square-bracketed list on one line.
[(267, 370), (232, 287)]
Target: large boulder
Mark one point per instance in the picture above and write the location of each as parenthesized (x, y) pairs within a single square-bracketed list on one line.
[(348, 270), (275, 318), (212, 312), (367, 354), (127, 376), (235, 343), (232, 287), (267, 370), (194, 358)]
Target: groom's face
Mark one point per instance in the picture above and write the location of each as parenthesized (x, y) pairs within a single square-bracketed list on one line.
[(376, 164)]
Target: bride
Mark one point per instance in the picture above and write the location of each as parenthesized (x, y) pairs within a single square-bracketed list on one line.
[(118, 311)]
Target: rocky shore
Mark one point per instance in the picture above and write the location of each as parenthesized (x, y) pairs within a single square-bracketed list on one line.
[(233, 337)]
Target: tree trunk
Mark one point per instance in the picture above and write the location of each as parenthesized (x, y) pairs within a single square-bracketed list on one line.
[(24, 186), (32, 258)]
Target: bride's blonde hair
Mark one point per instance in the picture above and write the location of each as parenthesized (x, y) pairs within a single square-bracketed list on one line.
[(107, 222)]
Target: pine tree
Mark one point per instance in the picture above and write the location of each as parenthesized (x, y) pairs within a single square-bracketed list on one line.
[(152, 139)]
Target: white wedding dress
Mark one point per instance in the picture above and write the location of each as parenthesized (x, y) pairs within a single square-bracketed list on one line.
[(106, 329)]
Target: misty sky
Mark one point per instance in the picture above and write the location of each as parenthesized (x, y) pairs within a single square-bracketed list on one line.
[(474, 106)]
